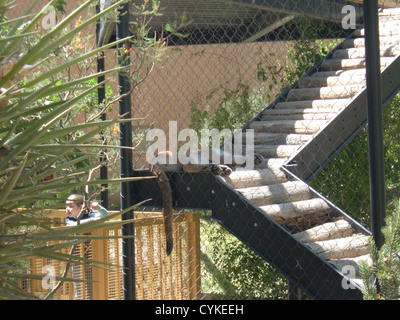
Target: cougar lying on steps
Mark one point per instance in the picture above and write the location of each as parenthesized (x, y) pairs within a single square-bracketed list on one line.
[(214, 162), (161, 164)]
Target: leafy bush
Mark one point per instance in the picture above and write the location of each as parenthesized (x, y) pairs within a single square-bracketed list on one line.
[(234, 271)]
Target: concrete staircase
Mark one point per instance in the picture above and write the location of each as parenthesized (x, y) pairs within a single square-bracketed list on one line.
[(288, 127)]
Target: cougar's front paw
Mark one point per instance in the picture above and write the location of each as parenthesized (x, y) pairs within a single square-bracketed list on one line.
[(222, 170), (258, 159)]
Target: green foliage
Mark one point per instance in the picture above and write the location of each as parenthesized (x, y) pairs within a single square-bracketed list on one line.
[(385, 270), (59, 6), (234, 271), (391, 136), (50, 132), (236, 108), (345, 180), (306, 51)]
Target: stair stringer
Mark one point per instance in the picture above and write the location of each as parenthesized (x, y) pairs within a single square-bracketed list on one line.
[(292, 258), (314, 155)]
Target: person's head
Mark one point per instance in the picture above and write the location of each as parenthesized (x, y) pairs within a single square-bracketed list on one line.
[(73, 205)]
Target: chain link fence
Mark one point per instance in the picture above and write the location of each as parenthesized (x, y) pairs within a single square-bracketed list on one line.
[(282, 85), (294, 72)]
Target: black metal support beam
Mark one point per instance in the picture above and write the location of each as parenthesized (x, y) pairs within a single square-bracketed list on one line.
[(302, 267), (375, 122), (294, 293), (101, 95), (191, 191), (126, 199), (328, 142)]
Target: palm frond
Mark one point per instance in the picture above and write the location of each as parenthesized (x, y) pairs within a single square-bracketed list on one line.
[(38, 138)]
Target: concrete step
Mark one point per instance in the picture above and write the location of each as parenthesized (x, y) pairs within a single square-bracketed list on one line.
[(317, 82), (327, 231), (360, 42), (317, 103), (272, 163), (336, 92), (298, 114), (347, 64), (333, 78), (356, 53), (390, 12), (292, 210), (288, 126), (348, 247), (241, 178), (277, 193), (279, 138), (276, 151)]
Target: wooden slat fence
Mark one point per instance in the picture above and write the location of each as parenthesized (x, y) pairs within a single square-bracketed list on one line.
[(158, 276)]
